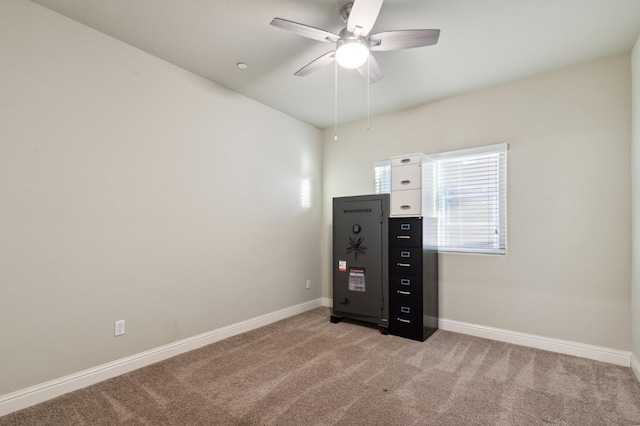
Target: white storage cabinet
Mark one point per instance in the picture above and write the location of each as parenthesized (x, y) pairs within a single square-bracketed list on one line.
[(412, 186)]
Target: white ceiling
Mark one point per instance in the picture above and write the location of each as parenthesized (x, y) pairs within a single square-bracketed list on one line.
[(482, 42)]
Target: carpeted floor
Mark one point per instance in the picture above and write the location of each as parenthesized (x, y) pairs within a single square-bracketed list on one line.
[(307, 371)]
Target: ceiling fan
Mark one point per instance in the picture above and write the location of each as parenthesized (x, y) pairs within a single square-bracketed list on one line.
[(354, 44)]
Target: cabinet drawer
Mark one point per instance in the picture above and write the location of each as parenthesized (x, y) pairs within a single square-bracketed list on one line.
[(406, 159), (405, 285), (405, 315), (402, 295), (405, 260), (406, 203), (405, 232), (406, 177)]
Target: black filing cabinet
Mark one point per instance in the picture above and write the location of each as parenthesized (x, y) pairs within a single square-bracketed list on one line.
[(413, 277)]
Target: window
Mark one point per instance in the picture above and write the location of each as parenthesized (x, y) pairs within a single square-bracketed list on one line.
[(470, 198), (382, 170), (305, 194)]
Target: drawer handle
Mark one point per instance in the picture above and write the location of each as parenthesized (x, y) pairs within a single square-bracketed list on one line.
[(404, 320), (403, 237), (405, 182), (405, 309), (405, 281), (405, 265), (405, 160), (408, 293), (405, 207)]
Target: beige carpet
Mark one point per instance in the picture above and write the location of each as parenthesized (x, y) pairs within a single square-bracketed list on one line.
[(307, 371)]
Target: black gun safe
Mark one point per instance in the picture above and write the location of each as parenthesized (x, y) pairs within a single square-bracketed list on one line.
[(413, 279), (360, 259)]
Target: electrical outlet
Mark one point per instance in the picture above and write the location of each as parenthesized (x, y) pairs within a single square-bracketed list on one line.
[(119, 328), (308, 284)]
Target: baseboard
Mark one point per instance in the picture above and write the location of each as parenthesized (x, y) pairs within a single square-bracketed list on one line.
[(327, 302), (598, 353), (36, 394), (635, 366)]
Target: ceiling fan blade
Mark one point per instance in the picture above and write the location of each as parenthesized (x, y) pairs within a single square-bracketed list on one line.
[(363, 16), (316, 64), (305, 30), (403, 39), (371, 71)]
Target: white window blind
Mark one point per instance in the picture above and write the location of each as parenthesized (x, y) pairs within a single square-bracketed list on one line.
[(382, 170), (471, 198)]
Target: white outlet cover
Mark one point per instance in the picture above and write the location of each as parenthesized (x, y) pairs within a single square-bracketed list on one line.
[(119, 330)]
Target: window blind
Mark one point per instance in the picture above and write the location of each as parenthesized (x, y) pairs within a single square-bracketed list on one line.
[(471, 200), (382, 171)]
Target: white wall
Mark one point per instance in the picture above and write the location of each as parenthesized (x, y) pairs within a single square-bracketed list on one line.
[(567, 271), (132, 189), (635, 196)]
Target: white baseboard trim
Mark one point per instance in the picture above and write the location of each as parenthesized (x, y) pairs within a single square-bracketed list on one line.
[(39, 393), (567, 347), (635, 366)]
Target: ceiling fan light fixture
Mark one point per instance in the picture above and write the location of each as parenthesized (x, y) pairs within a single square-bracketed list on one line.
[(351, 53)]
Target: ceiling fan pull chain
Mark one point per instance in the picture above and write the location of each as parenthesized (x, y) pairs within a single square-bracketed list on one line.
[(335, 102), (368, 95)]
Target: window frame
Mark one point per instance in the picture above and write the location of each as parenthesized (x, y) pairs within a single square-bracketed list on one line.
[(494, 192)]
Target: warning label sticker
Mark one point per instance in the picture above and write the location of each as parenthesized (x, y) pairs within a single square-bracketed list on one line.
[(342, 265), (356, 279)]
